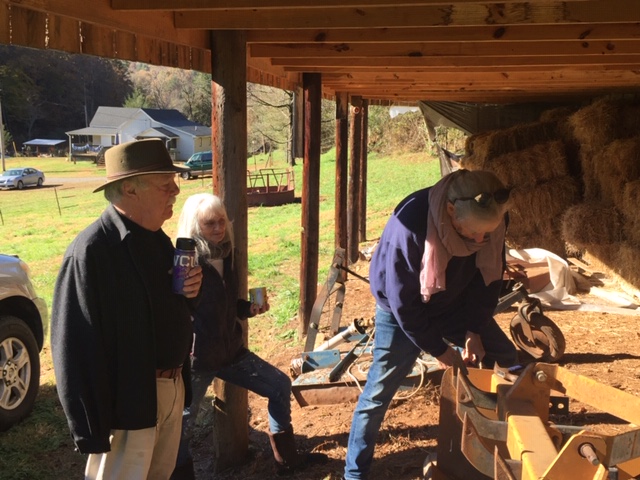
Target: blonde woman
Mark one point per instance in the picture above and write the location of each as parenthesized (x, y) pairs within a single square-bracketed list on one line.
[(218, 347)]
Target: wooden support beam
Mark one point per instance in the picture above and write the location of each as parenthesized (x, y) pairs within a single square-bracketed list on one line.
[(467, 14), (312, 86), (229, 145), (488, 33), (362, 185), (355, 141), (342, 172)]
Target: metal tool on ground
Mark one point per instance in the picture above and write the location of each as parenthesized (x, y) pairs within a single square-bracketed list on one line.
[(497, 425), (530, 329), (347, 360)]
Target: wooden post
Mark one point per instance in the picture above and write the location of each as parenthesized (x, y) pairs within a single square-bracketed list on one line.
[(312, 86), (342, 165), (229, 145), (354, 174), (362, 184)]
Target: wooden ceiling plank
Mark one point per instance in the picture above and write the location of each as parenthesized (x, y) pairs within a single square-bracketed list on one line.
[(185, 5), (5, 24), (158, 25), (64, 34), (451, 49), (513, 33), (495, 77), (125, 45), (28, 28), (611, 11), (484, 68), (98, 41), (455, 62)]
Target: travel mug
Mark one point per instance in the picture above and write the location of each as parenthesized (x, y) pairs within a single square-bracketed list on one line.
[(183, 260)]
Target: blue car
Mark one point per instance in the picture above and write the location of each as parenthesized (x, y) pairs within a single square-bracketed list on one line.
[(21, 177)]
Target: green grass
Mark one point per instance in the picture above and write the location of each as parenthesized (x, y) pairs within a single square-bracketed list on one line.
[(38, 225)]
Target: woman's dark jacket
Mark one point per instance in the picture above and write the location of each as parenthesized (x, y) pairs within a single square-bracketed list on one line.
[(394, 274), (102, 334), (218, 332)]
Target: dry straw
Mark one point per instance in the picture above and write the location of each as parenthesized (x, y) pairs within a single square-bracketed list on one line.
[(586, 224)]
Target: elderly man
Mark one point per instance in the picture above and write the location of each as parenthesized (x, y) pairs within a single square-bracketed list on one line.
[(120, 338)]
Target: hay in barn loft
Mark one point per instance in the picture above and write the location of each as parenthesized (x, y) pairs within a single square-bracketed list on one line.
[(586, 224), (604, 121), (631, 212), (617, 164), (558, 113), (530, 166), (627, 263), (535, 214), (484, 146)]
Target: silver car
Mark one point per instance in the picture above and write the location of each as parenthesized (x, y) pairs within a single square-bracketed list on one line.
[(21, 177), (23, 328)]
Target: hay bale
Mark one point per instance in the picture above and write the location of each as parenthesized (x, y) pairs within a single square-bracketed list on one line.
[(614, 166), (527, 167), (586, 224), (631, 212), (535, 213), (558, 113), (487, 145), (604, 121)]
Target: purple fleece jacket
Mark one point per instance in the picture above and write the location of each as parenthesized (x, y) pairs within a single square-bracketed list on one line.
[(394, 274)]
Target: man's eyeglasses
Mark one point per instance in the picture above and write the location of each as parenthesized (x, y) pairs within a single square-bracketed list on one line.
[(500, 196)]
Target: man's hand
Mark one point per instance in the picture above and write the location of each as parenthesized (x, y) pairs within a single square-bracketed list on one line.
[(193, 282), (449, 358), (473, 352)]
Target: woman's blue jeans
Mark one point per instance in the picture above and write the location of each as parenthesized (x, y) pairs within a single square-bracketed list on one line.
[(250, 372), (393, 358)]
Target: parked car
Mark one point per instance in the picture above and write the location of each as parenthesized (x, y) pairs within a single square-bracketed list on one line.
[(21, 177), (200, 163), (23, 328)]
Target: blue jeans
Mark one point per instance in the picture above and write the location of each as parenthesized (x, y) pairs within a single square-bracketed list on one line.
[(250, 372), (393, 358)]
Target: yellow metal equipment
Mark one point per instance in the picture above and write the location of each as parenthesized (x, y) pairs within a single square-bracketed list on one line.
[(495, 425)]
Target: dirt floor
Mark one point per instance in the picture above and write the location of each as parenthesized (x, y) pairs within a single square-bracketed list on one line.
[(602, 346)]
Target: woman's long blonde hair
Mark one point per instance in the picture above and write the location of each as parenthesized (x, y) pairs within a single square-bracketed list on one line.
[(197, 207)]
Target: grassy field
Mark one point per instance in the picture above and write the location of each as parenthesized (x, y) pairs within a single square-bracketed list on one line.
[(39, 223)]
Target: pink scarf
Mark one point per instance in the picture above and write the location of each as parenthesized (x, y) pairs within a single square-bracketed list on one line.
[(443, 242)]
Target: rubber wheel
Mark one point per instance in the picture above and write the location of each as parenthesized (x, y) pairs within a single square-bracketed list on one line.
[(185, 175), (19, 371), (20, 185), (40, 182), (548, 341)]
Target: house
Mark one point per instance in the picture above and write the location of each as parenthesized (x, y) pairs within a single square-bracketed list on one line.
[(114, 125)]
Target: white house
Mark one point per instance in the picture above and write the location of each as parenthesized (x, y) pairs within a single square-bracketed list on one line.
[(114, 125)]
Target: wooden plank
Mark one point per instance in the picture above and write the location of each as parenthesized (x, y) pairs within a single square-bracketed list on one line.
[(489, 33), (153, 24), (342, 172), (270, 4), (469, 14), (455, 62), (353, 209), (64, 34), (450, 49), (312, 86), (5, 24), (126, 46), (100, 41), (28, 28)]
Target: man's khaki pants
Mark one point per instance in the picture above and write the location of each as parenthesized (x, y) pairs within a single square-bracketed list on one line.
[(149, 453)]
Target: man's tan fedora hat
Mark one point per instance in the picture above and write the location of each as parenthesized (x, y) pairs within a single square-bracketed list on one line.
[(140, 157)]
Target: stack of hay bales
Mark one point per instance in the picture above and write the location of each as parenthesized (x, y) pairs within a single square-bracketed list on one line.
[(533, 161), (605, 228)]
